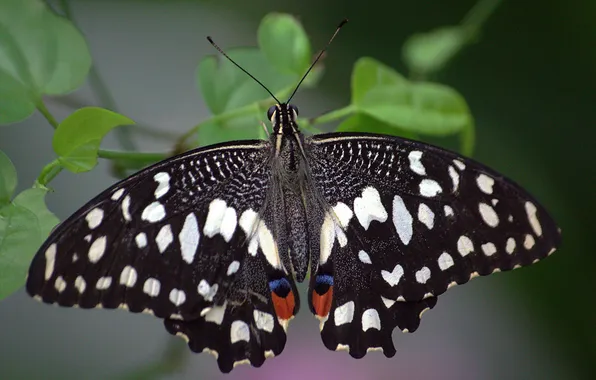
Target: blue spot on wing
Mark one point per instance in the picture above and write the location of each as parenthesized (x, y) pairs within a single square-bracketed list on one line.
[(324, 279), (279, 285)]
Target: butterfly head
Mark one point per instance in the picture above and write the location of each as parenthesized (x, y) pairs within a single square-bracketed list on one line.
[(283, 118)]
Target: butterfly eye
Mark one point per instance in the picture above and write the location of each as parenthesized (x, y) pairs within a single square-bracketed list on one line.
[(271, 111), (294, 108)]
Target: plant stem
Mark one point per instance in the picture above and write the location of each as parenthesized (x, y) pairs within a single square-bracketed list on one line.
[(132, 156), (49, 172), (41, 107)]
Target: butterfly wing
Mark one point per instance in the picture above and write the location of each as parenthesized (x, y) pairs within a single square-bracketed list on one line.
[(406, 221), (178, 240)]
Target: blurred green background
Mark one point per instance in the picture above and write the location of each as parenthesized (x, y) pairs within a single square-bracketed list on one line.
[(530, 81)]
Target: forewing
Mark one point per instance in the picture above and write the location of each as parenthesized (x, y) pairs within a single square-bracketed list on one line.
[(405, 222), (168, 240)]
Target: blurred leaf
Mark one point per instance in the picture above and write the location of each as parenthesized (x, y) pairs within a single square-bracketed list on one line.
[(244, 127), (422, 107), (364, 123), (77, 139), (427, 53), (8, 179), (225, 87), (41, 53), (284, 43), (369, 73), (34, 200), (24, 225)]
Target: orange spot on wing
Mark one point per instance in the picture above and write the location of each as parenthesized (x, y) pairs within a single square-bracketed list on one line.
[(322, 302), (284, 306)]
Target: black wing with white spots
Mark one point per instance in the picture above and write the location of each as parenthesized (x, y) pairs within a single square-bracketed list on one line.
[(179, 240), (406, 222)]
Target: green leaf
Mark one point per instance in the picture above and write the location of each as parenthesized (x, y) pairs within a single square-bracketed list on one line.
[(284, 43), (8, 179), (41, 53), (225, 87), (428, 53), (244, 127), (369, 73), (34, 200), (422, 107), (24, 225), (364, 123), (77, 138)]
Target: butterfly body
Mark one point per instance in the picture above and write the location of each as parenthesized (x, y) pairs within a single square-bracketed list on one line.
[(213, 241)]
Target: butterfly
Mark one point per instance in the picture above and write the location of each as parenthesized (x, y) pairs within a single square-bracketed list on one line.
[(214, 240)]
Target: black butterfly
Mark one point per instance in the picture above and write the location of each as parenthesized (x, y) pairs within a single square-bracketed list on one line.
[(213, 240)]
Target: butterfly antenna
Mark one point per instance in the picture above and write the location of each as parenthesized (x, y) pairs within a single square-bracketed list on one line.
[(240, 67), (341, 24)]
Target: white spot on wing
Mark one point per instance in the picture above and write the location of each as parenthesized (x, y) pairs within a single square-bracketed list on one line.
[(489, 249), (327, 239), (423, 275), (103, 283), (97, 249), (344, 313), (141, 240), (163, 180), (164, 238), (239, 331), (364, 257), (248, 222), (369, 207), (216, 314), (415, 162), (208, 292), (263, 321), (189, 238), (429, 188), (402, 220), (387, 302), (154, 212), (533, 219), (371, 320), (217, 210), (233, 267), (393, 277), (128, 276), (50, 260), (485, 183), (510, 246), (151, 287), (228, 224), (488, 214), (460, 165), (445, 261), (426, 216), (268, 245), (117, 194), (60, 284), (94, 218), (454, 177), (80, 284), (126, 208), (448, 210), (464, 245), (177, 297), (529, 241), (343, 213)]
